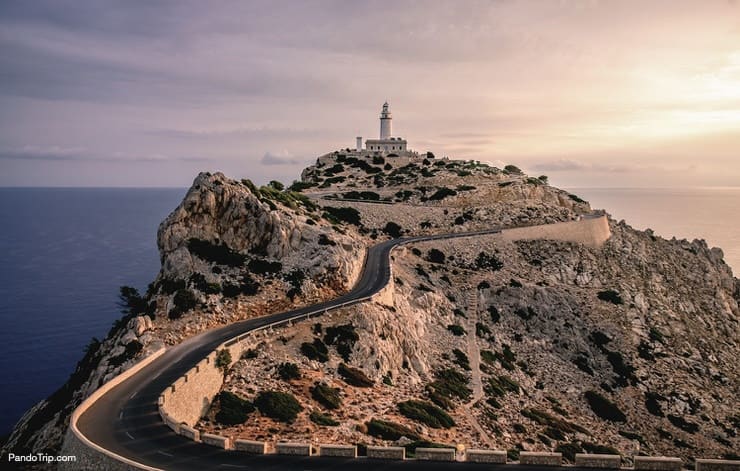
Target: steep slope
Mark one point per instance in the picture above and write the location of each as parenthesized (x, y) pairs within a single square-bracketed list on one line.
[(229, 251)]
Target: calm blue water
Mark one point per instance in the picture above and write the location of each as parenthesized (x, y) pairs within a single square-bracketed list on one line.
[(63, 255), (65, 252)]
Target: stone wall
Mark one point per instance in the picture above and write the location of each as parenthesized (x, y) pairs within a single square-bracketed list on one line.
[(589, 231), (189, 398)]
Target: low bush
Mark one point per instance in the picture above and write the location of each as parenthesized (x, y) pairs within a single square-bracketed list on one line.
[(495, 315), (461, 359), (315, 350), (426, 413), (264, 267), (387, 430), (481, 329), (322, 419), (486, 261), (450, 383), (610, 296), (326, 395), (500, 386), (232, 409), (548, 420), (392, 229), (604, 408), (278, 405), (456, 329), (288, 371), (219, 254), (184, 301), (343, 337), (223, 359), (442, 193), (436, 256), (348, 215), (354, 377)]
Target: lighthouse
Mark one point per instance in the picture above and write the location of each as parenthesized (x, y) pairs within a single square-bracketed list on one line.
[(386, 122), (386, 143)]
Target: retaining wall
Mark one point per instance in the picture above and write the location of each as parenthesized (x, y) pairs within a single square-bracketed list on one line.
[(297, 449), (386, 453), (541, 458), (592, 232), (717, 465), (657, 463), (486, 456), (249, 446), (435, 454), (339, 451), (598, 461)]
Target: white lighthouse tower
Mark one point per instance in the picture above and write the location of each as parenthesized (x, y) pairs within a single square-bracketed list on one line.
[(387, 143), (386, 123)]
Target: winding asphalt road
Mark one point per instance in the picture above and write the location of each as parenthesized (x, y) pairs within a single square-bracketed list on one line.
[(125, 420)]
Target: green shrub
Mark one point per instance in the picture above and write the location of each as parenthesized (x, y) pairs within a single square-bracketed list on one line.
[(247, 286), (485, 261), (450, 383), (276, 185), (300, 186), (288, 371), (322, 419), (442, 193), (315, 350), (512, 169), (183, 301), (500, 386), (354, 377), (610, 296), (436, 256), (481, 330), (348, 215), (495, 315), (326, 395), (264, 267), (278, 405), (456, 329), (426, 413), (392, 229), (219, 254), (232, 409), (343, 337), (223, 359), (387, 430), (603, 407), (461, 359)]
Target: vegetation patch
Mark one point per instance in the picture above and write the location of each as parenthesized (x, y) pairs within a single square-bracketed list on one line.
[(610, 296), (220, 254), (184, 301), (348, 215), (354, 377), (604, 408), (288, 371), (500, 386), (223, 359), (450, 383), (543, 418), (343, 337), (233, 409), (683, 424), (278, 405), (461, 359), (315, 350), (426, 413), (392, 229), (320, 418), (387, 430), (264, 267), (490, 262), (436, 256), (456, 329), (326, 395), (442, 193)]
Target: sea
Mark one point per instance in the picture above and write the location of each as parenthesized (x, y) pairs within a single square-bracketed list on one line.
[(64, 253)]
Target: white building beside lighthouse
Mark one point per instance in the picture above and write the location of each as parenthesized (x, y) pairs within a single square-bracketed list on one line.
[(387, 143)]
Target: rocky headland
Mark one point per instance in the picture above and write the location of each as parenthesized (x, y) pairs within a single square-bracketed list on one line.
[(628, 347)]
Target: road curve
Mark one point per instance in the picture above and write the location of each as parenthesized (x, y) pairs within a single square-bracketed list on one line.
[(126, 422)]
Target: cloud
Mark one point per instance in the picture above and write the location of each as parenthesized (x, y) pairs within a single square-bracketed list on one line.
[(72, 154), (567, 165), (280, 158)]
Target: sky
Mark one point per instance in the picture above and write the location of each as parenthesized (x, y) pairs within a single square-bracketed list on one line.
[(591, 93)]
